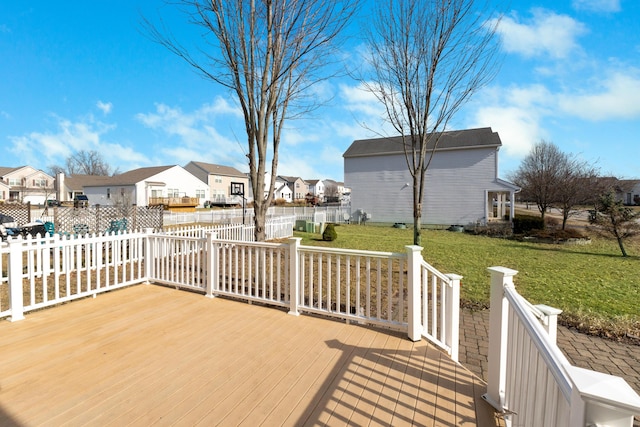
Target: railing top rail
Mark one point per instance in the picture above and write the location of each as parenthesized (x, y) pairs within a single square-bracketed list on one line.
[(435, 272), (341, 251), (555, 360), (256, 244)]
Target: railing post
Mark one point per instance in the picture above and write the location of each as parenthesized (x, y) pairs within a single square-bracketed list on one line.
[(452, 334), (550, 321), (294, 275), (501, 278), (148, 255), (15, 279), (414, 314), (599, 399), (211, 253)]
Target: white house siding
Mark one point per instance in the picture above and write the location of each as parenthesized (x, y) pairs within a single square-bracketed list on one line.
[(100, 195), (175, 177), (455, 188)]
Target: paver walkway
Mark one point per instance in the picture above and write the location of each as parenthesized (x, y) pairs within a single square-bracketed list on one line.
[(582, 350)]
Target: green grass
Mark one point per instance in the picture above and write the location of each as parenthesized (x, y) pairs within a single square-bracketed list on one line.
[(593, 284)]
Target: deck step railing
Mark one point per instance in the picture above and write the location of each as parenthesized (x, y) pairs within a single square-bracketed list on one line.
[(531, 382)]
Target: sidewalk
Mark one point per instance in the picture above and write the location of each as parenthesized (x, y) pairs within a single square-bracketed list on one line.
[(582, 350)]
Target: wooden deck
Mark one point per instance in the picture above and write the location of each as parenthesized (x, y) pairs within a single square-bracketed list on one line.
[(150, 355)]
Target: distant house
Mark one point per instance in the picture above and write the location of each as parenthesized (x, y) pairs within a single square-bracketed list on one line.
[(629, 191), (316, 187), (461, 186), (297, 185), (69, 186), (282, 190), (219, 179), (26, 184), (4, 191), (166, 185)]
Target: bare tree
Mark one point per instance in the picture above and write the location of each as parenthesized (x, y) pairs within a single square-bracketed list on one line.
[(577, 184), (268, 53), (331, 193), (615, 219), (428, 58), (85, 163), (540, 175)]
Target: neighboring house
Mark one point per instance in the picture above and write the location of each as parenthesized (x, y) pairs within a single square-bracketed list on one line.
[(26, 184), (4, 191), (168, 185), (297, 185), (282, 190), (219, 179), (629, 191), (69, 186), (461, 186), (316, 187)]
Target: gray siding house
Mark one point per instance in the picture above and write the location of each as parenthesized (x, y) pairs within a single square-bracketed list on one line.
[(461, 187)]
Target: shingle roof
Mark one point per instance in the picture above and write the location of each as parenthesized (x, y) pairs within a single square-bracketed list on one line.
[(132, 177), (6, 170), (449, 140), (77, 181), (219, 169)]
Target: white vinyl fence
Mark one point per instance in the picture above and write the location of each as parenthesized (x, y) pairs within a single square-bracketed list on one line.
[(532, 383), (275, 228), (334, 214)]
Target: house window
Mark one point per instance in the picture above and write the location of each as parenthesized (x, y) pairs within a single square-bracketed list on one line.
[(200, 194), (14, 181), (40, 182), (217, 179), (108, 193), (173, 192)]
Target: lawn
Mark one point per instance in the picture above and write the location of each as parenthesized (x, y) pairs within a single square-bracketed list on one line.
[(593, 284)]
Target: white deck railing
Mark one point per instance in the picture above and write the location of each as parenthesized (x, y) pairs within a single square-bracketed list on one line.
[(40, 272), (532, 383), (385, 289)]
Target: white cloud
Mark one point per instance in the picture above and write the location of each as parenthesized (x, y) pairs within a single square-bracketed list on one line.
[(43, 149), (615, 97), (516, 113), (597, 5), (201, 134), (105, 107), (546, 34)]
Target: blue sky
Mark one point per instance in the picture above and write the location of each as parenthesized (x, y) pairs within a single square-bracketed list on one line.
[(82, 75)]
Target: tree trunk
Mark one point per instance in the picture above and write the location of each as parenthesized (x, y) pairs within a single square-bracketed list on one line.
[(260, 211), (621, 244), (417, 215)]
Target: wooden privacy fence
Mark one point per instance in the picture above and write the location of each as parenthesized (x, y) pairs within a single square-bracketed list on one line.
[(531, 382), (384, 289)]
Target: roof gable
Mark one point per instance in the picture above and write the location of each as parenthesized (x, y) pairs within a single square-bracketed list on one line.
[(213, 169), (131, 177), (449, 140)]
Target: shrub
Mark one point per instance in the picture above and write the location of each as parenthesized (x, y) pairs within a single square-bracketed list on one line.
[(330, 233), (558, 234), (525, 223)]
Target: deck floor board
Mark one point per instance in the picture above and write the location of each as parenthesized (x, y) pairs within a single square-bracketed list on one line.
[(152, 355)]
